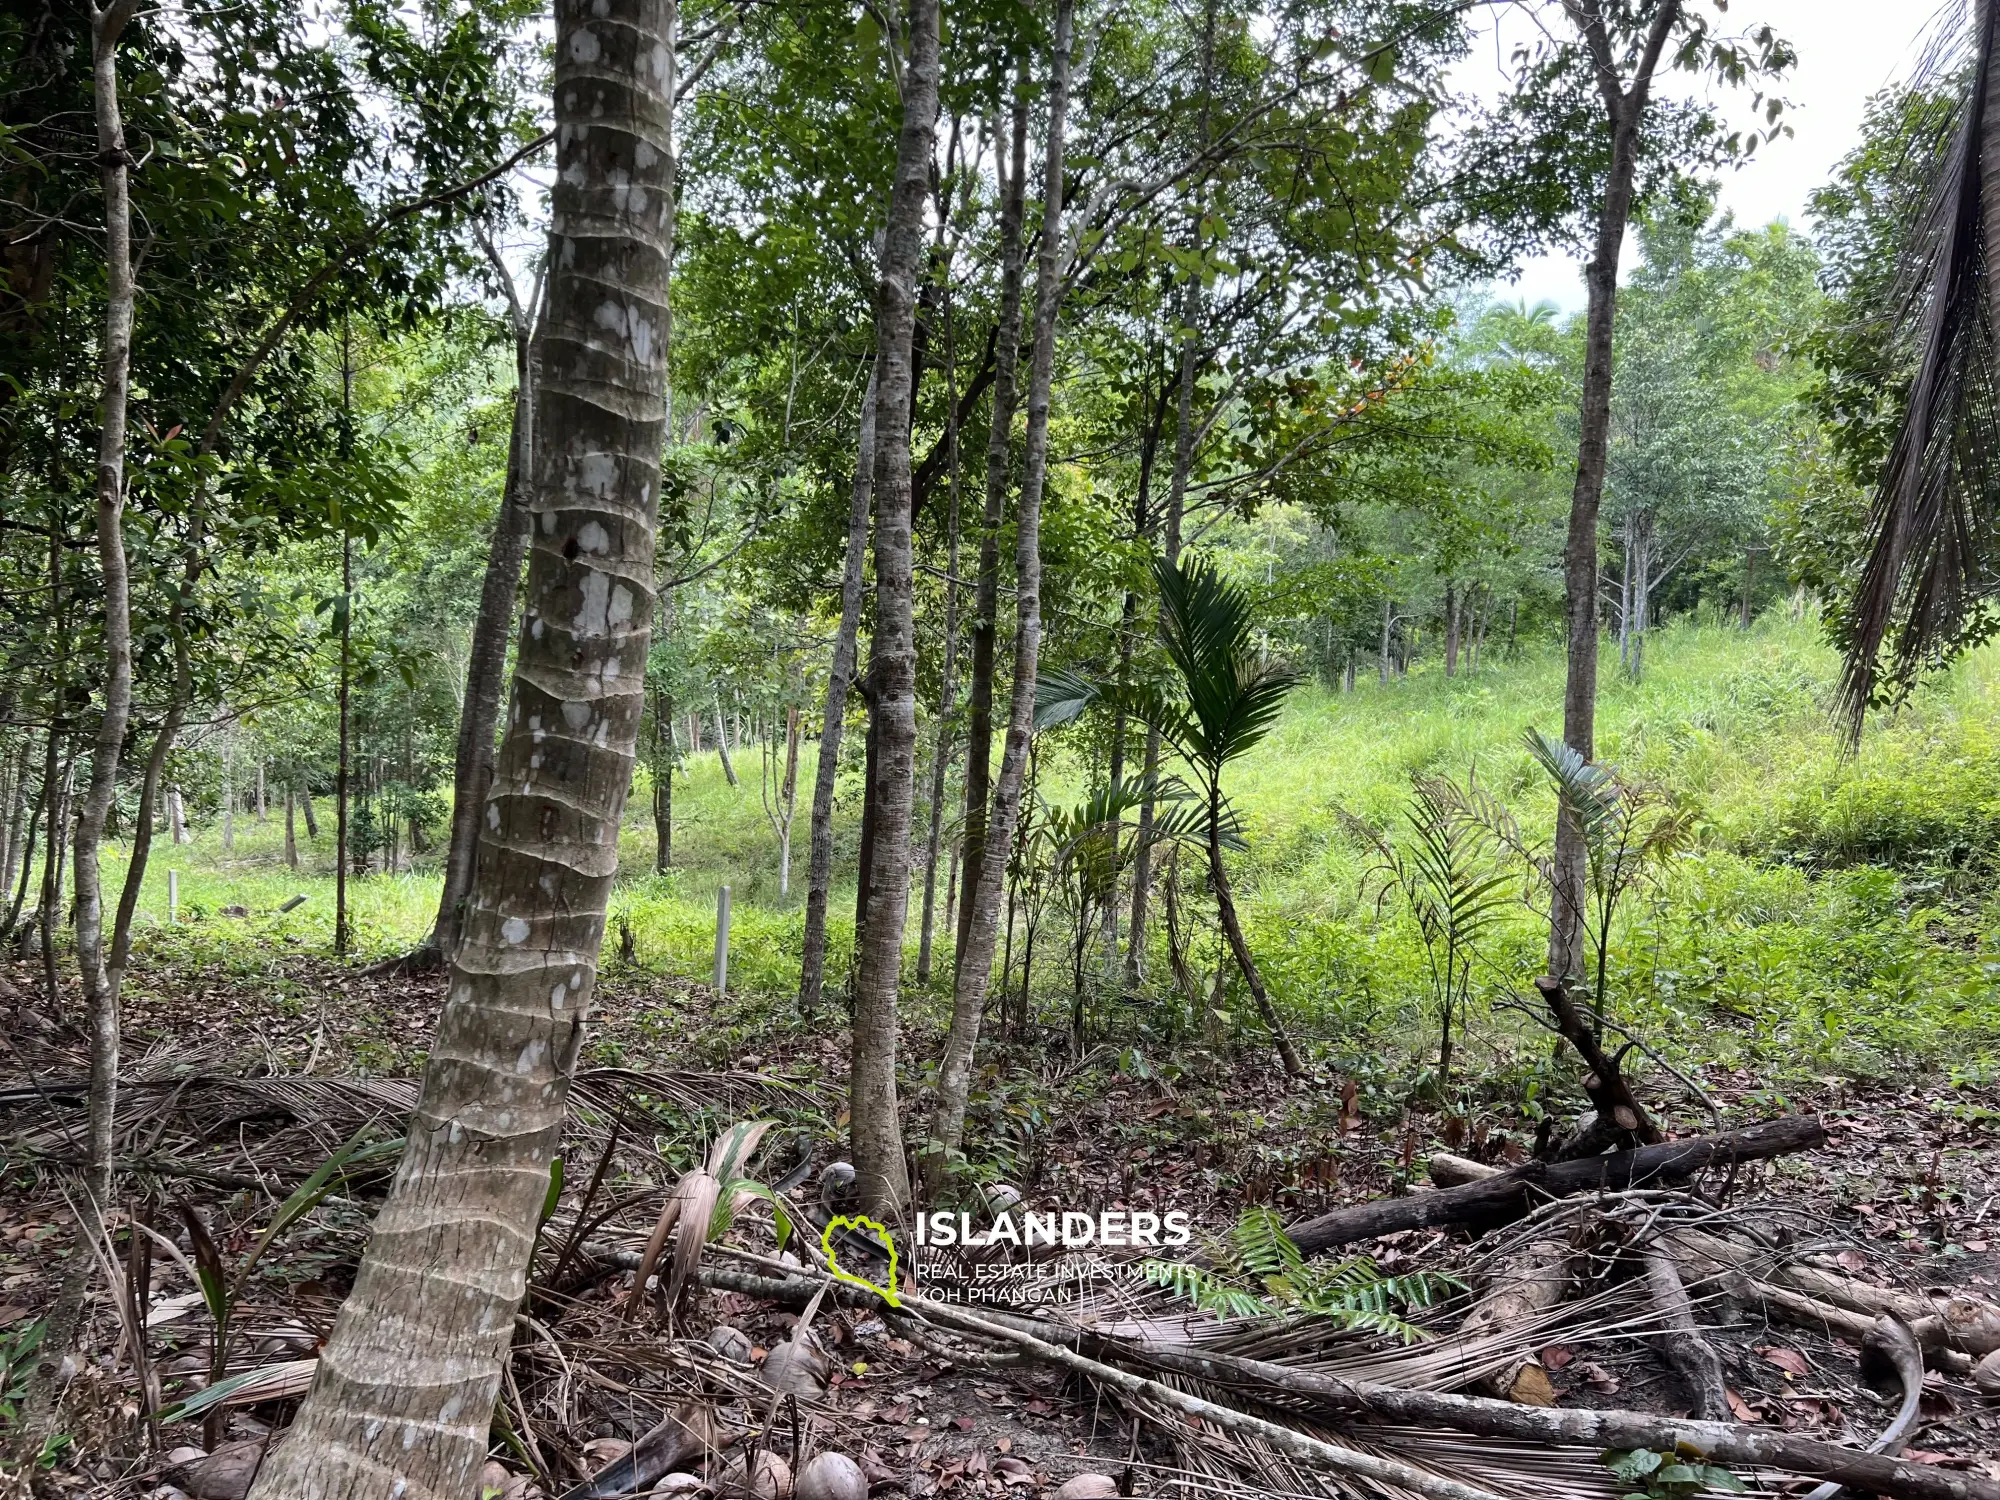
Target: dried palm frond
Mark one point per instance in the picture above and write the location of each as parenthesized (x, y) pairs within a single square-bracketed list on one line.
[(1931, 570)]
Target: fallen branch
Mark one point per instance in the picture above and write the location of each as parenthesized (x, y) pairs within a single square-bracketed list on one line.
[(1687, 1351), (1523, 1289), (1716, 1442), (1509, 1195)]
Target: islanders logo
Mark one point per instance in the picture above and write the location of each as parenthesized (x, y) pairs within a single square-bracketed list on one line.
[(881, 1232)]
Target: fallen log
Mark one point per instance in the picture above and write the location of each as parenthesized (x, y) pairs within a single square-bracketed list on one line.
[(1099, 1356), (1683, 1345), (1524, 1287), (1501, 1199), (1716, 1442)]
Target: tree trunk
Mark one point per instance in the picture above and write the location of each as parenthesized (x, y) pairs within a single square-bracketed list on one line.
[(403, 1398), (948, 675), (1382, 654), (722, 743), (177, 816), (1451, 608), (229, 787), (1625, 597), (1232, 931), (975, 969), (1625, 111), (291, 829), (100, 994), (260, 790), (833, 720), (342, 935), (1642, 594), (882, 1178), (486, 660), (663, 785), (790, 800), (999, 457), (306, 808)]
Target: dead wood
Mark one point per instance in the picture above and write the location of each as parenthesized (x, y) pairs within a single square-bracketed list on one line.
[(1619, 1118), (1686, 1349), (1717, 1442), (1729, 1266), (685, 1438), (1509, 1195), (1525, 1286), (1960, 1321)]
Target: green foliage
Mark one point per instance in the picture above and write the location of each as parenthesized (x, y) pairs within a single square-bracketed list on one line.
[(1260, 1272), (1666, 1476), (17, 1365)]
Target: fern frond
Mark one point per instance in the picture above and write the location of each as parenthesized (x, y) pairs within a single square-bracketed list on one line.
[(1207, 1291)]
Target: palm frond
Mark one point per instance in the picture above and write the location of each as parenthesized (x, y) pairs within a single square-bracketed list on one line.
[(1930, 574), (1063, 694)]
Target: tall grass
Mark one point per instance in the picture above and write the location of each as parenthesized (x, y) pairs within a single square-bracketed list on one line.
[(1833, 916)]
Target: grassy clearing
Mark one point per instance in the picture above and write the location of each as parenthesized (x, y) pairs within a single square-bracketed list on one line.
[(1834, 917)]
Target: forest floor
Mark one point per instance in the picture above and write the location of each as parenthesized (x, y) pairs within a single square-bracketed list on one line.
[(1828, 947), (1909, 1175)]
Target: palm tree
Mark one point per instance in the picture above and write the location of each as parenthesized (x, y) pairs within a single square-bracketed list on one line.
[(1219, 704), (1930, 574)]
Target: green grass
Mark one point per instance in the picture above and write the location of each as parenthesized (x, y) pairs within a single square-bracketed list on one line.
[(1833, 917)]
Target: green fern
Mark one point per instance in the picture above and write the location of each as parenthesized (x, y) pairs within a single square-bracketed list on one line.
[(1257, 1252), (1207, 1291)]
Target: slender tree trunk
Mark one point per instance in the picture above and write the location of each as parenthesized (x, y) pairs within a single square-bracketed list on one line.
[(1625, 597), (722, 743), (17, 809), (663, 784), (1624, 111), (833, 718), (948, 674), (789, 800), (177, 828), (342, 932), (1642, 595), (1452, 605), (1232, 930), (486, 662), (1142, 852), (291, 830), (403, 1399), (229, 786), (999, 460), (881, 1175), (260, 790), (100, 993), (306, 809), (1382, 654), (975, 969), (28, 846)]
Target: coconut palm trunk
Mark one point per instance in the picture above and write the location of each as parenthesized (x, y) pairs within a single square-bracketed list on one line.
[(403, 1399)]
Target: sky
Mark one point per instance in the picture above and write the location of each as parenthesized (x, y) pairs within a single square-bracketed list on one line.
[(1847, 50)]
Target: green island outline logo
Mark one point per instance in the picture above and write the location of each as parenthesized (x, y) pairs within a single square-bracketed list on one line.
[(861, 1221)]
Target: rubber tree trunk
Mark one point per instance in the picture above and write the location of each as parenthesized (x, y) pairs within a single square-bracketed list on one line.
[(403, 1399), (1624, 111), (99, 992), (486, 665), (999, 460), (833, 720), (881, 1176), (948, 675), (344, 769), (975, 969)]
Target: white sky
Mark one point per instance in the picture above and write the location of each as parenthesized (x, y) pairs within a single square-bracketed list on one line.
[(1847, 50)]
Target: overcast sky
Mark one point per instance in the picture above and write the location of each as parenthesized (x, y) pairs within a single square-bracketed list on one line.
[(1847, 50)]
